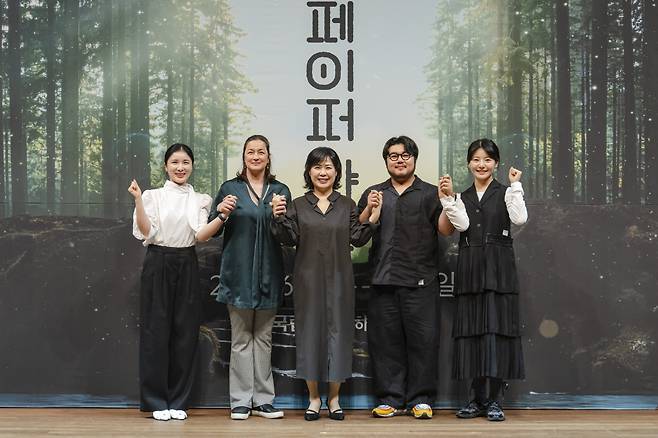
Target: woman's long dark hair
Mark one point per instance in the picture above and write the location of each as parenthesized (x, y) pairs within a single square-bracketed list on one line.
[(269, 177)]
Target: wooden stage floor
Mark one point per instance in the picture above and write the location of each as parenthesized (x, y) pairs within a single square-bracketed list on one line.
[(88, 422)]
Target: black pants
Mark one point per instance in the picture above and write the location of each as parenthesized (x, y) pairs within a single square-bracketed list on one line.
[(169, 327), (403, 341)]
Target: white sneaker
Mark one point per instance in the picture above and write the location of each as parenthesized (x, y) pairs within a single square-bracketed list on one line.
[(162, 415), (177, 414), (267, 411), (240, 413)]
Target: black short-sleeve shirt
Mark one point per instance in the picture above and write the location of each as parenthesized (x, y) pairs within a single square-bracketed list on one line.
[(405, 248)]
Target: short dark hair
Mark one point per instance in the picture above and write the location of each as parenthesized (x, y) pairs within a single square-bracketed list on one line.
[(487, 145), (317, 156), (242, 174), (178, 147), (409, 146)]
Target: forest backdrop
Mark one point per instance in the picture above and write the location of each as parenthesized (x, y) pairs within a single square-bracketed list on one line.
[(93, 91)]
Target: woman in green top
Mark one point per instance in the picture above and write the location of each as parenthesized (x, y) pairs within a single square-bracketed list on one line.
[(251, 277)]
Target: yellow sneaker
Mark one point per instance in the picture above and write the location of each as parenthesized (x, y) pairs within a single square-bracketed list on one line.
[(383, 411), (422, 411)]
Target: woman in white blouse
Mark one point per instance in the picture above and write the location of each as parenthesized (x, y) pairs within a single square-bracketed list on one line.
[(169, 220), (486, 330)]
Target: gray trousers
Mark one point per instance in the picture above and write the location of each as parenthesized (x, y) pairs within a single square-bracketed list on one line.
[(250, 377)]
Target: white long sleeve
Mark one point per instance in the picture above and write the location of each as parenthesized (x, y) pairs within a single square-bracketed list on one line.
[(150, 208), (176, 214), (203, 201), (456, 212), (518, 213)]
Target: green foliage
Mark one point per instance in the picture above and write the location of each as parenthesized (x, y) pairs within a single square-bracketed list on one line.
[(186, 40)]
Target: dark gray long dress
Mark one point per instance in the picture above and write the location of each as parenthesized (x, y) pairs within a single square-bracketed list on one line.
[(323, 282)]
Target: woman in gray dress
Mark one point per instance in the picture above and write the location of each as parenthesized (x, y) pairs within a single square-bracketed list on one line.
[(322, 224)]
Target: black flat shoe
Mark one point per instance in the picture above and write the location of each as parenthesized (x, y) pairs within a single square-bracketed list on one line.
[(494, 412), (472, 410), (311, 415), (337, 414)]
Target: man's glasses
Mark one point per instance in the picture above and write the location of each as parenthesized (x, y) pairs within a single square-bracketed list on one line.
[(394, 157)]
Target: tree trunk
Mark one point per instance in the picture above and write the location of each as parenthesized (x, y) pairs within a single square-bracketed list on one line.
[(554, 128), (139, 98), (615, 139), (183, 114), (564, 172), (191, 108), (544, 186), (583, 116), (3, 188), (537, 128), (123, 197), (596, 144), (439, 131), (109, 115), (531, 120), (489, 129), (213, 153), (514, 155), (70, 109), (501, 135), (651, 99), (133, 141), (170, 102), (225, 136), (51, 91), (18, 149), (144, 103), (630, 191), (450, 139), (476, 84), (469, 94)]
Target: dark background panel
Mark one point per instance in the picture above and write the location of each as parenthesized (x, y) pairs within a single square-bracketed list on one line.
[(69, 311)]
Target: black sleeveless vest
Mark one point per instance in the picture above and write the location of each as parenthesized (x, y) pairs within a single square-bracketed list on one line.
[(486, 257)]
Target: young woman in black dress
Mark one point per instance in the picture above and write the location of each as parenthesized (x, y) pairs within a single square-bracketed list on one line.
[(486, 331)]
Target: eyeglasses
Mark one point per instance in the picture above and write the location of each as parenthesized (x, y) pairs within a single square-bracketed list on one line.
[(394, 157)]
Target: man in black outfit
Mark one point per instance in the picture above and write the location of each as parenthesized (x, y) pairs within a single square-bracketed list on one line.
[(403, 329)]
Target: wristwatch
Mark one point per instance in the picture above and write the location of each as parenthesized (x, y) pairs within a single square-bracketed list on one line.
[(222, 217)]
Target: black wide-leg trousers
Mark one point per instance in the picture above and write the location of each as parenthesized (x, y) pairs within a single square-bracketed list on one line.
[(170, 315), (403, 344)]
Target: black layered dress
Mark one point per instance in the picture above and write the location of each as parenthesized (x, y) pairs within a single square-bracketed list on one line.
[(486, 331)]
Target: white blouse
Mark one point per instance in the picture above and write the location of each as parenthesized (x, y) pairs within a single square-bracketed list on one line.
[(456, 210), (176, 213)]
